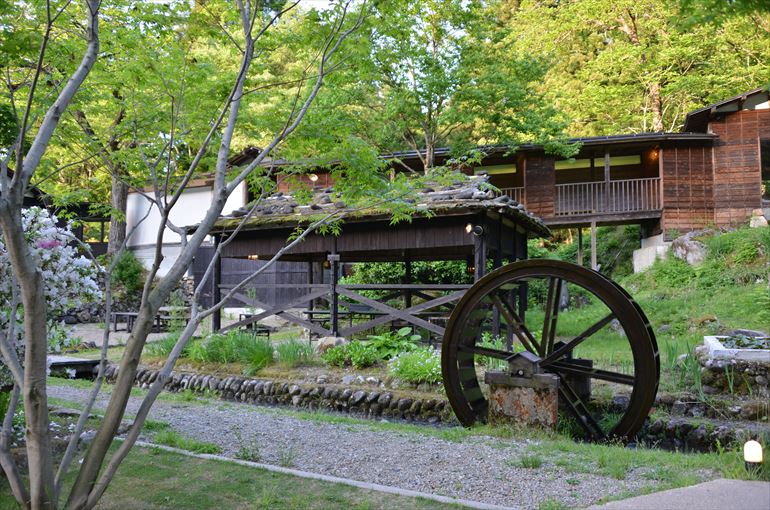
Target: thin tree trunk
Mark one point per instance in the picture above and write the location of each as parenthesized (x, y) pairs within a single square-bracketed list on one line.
[(657, 107), (118, 217), (34, 392)]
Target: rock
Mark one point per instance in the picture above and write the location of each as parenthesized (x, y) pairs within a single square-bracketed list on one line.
[(69, 319), (757, 219), (617, 328), (620, 402), (373, 397), (385, 399), (372, 380), (697, 436), (322, 379), (327, 342), (761, 380), (753, 410), (664, 328), (359, 380), (357, 397), (348, 379), (688, 249), (679, 408), (294, 390), (404, 404)]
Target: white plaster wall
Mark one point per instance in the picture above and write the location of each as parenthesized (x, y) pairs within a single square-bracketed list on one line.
[(189, 210)]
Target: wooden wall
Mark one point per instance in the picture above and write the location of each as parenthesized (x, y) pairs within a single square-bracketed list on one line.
[(737, 169), (540, 178), (688, 190)]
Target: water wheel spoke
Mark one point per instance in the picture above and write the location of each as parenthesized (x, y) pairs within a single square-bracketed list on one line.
[(580, 411), (551, 315), (486, 351), (513, 320), (570, 346), (564, 367)]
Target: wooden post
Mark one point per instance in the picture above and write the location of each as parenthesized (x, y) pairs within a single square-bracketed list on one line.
[(334, 260), (594, 265), (408, 280), (580, 246), (606, 182), (310, 281), (479, 257), (216, 281)]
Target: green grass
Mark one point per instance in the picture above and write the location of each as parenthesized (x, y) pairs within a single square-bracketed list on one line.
[(294, 353), (153, 479), (172, 438)]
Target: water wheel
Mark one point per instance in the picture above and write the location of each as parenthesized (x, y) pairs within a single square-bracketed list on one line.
[(581, 326)]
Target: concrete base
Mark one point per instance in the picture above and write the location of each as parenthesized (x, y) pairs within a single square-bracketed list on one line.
[(714, 495), (523, 401), (653, 248)]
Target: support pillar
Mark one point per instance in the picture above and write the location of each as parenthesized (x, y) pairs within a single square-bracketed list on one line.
[(407, 281), (479, 257), (594, 264), (334, 261), (606, 182), (580, 246), (216, 291)]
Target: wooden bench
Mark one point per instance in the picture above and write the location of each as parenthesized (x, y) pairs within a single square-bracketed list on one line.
[(256, 328)]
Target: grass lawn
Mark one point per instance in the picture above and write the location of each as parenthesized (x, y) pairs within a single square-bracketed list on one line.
[(156, 479)]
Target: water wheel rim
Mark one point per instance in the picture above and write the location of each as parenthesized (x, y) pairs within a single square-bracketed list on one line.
[(639, 333)]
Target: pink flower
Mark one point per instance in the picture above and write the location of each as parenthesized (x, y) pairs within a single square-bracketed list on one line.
[(48, 244)]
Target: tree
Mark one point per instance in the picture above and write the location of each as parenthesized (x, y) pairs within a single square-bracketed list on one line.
[(253, 25), (636, 65)]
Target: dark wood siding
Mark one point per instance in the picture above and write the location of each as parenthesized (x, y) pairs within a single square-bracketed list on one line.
[(688, 194), (737, 172), (234, 271), (540, 179)]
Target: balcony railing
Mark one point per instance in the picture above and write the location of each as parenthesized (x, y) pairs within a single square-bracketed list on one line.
[(515, 193), (613, 197)]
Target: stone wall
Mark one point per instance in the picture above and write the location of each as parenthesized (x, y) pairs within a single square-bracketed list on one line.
[(375, 403)]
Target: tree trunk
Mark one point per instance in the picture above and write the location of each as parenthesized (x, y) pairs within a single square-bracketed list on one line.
[(34, 392), (118, 217), (657, 107)]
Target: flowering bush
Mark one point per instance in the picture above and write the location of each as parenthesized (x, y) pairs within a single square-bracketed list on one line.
[(421, 365), (70, 279)]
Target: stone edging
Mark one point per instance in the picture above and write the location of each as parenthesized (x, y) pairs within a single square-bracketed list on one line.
[(374, 403)]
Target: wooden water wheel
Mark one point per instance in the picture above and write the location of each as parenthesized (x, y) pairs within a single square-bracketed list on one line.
[(581, 326)]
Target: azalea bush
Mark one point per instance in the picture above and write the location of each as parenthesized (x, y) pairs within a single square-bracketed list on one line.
[(70, 279), (422, 365)]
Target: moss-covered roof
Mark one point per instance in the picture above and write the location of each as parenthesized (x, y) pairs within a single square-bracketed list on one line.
[(471, 195)]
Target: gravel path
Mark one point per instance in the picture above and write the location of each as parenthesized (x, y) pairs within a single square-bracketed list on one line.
[(477, 468)]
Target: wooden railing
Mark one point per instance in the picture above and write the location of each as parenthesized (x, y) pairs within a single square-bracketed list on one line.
[(515, 193), (613, 197)]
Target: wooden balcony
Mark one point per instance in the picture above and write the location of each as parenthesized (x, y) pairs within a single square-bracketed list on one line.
[(515, 193), (613, 197)]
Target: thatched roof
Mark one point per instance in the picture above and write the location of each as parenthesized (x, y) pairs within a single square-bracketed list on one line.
[(471, 195)]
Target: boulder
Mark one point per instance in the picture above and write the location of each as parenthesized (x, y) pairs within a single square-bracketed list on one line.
[(688, 249), (327, 342), (757, 220)]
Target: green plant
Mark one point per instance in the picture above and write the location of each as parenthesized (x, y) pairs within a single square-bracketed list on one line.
[(336, 356), (129, 272), (249, 452), (287, 457), (294, 353), (357, 354), (422, 365), (390, 344), (234, 347), (163, 347), (531, 461), (362, 355), (174, 439)]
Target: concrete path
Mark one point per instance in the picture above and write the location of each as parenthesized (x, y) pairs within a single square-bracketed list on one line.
[(714, 495)]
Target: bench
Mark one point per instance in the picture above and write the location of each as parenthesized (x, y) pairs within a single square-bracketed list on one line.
[(256, 328)]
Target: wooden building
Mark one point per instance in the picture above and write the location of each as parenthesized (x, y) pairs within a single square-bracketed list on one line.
[(710, 173)]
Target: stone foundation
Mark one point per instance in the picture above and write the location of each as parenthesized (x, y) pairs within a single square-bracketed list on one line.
[(357, 402)]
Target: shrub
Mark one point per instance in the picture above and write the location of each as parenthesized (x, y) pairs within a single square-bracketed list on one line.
[(357, 354), (337, 356), (129, 272), (175, 440), (294, 353), (391, 344), (362, 355), (422, 365)]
